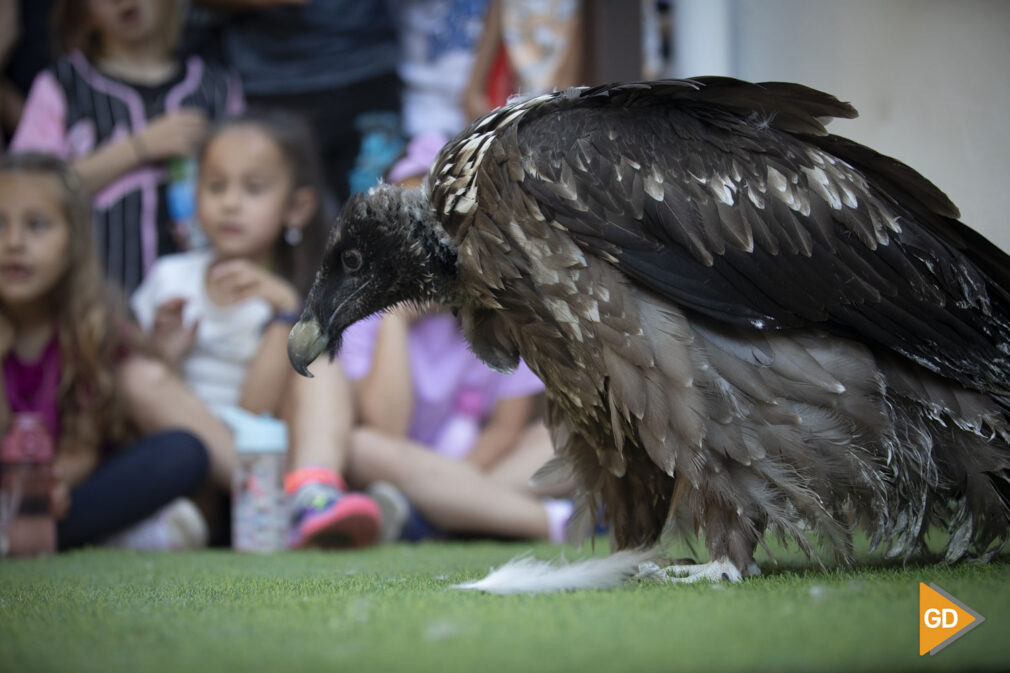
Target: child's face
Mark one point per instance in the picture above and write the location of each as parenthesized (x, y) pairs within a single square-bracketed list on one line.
[(245, 193), (34, 237), (127, 21)]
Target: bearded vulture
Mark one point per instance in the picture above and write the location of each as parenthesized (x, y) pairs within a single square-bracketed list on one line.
[(745, 324)]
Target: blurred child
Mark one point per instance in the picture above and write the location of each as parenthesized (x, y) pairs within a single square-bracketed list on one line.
[(416, 384), (437, 45), (542, 45), (65, 360), (120, 107), (457, 438), (223, 315), (334, 63)]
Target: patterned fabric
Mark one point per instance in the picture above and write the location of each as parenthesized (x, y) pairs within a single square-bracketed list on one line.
[(537, 34), (73, 109), (437, 42)]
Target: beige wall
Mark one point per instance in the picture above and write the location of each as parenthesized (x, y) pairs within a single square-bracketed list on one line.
[(930, 78)]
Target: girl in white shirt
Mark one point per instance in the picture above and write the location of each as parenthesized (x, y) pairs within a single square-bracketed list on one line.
[(222, 315)]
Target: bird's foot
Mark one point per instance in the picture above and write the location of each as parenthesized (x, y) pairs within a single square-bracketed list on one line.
[(715, 571)]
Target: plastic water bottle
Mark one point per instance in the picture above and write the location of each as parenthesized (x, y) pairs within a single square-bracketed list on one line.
[(181, 202), (460, 433), (27, 521), (259, 505)]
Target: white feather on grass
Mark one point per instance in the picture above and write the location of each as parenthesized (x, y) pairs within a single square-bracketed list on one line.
[(525, 574)]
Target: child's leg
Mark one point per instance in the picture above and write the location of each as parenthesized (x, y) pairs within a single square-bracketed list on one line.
[(515, 468), (450, 494), (319, 413), (319, 416), (132, 485), (159, 400)]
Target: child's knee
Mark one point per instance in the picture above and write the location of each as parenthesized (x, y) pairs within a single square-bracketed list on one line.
[(140, 375), (365, 441), (373, 455), (188, 449)]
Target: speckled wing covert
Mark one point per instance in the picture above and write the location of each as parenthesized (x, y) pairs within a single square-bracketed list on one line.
[(740, 319), (732, 200)]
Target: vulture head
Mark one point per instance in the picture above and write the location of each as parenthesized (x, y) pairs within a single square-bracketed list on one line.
[(386, 248)]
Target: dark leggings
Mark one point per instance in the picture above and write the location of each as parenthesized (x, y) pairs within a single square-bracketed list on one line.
[(132, 485)]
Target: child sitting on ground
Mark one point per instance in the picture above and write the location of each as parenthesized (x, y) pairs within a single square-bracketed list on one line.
[(121, 107), (417, 387), (222, 315), (67, 363), (435, 423)]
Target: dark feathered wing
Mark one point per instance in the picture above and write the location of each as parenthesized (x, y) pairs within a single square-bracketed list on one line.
[(731, 199), (681, 263)]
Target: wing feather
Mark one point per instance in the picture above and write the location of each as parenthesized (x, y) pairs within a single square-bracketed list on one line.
[(765, 220)]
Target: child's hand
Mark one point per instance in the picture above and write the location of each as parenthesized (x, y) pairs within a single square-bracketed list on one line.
[(69, 469), (237, 279), (59, 495), (174, 134), (170, 336)]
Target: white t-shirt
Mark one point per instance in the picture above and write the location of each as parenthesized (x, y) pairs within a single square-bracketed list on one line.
[(227, 336)]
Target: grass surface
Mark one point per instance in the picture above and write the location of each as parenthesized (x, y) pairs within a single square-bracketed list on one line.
[(392, 609)]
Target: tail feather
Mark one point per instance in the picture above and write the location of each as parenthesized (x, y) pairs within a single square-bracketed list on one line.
[(525, 574)]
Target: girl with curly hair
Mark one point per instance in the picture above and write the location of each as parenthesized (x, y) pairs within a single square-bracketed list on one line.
[(67, 361)]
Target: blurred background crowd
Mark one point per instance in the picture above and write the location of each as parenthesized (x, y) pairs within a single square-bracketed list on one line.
[(168, 176)]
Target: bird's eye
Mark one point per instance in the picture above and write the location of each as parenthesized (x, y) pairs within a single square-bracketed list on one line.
[(352, 260)]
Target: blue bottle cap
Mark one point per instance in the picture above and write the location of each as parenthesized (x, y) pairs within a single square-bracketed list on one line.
[(255, 433)]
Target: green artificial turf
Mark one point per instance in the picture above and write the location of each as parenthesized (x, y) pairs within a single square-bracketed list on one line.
[(393, 609)]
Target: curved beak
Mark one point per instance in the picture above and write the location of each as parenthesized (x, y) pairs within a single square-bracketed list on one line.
[(305, 343)]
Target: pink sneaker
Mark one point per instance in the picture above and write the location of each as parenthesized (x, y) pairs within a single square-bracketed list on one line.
[(349, 520), (323, 515)]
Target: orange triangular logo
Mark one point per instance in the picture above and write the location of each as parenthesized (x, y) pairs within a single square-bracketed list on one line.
[(942, 619)]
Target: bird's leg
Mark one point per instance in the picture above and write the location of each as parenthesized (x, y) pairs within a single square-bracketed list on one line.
[(731, 535), (718, 570)]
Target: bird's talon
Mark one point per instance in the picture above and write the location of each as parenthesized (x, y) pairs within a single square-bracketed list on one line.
[(715, 571)]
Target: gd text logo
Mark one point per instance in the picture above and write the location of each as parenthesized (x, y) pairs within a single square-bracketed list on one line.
[(942, 619)]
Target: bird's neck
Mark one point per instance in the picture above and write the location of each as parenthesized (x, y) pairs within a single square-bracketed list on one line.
[(444, 279), (441, 281)]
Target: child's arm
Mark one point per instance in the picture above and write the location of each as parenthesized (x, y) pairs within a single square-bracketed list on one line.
[(174, 134), (386, 395), (157, 305), (43, 128), (508, 420), (157, 400), (169, 336), (10, 27), (269, 372), (475, 100), (70, 469)]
